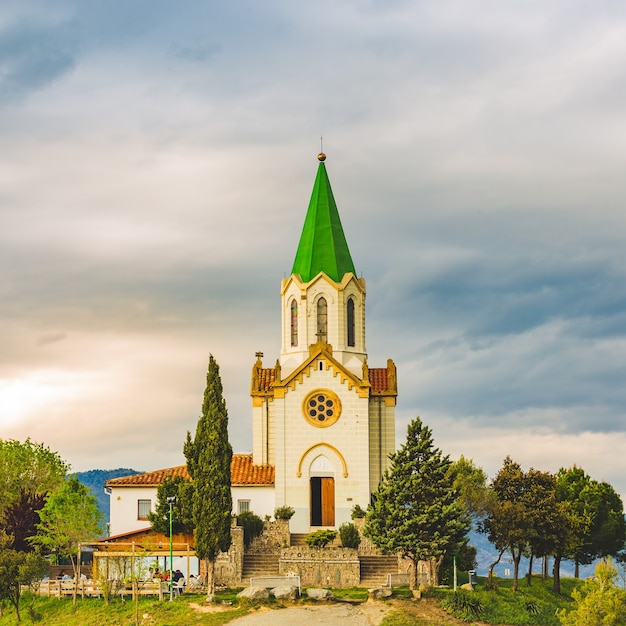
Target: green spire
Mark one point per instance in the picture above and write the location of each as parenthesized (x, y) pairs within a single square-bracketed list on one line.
[(322, 246)]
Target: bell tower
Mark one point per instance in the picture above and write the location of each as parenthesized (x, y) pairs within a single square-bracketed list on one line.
[(321, 415), (323, 301)]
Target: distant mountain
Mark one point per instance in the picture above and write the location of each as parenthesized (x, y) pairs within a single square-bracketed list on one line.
[(95, 479), (486, 554)]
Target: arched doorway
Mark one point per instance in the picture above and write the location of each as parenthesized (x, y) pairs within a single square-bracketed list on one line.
[(322, 490)]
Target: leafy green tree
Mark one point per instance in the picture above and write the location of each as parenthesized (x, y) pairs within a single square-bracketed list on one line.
[(21, 518), (18, 569), (182, 511), (209, 455), (69, 517), (523, 514), (547, 520), (599, 602), (607, 531), (598, 528), (28, 472), (470, 482), (416, 509)]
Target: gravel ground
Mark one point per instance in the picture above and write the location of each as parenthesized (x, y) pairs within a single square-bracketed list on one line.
[(367, 614)]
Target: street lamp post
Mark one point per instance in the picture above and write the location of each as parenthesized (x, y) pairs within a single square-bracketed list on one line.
[(171, 500)]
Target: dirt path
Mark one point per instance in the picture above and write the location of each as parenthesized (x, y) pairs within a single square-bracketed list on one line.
[(370, 613), (366, 614)]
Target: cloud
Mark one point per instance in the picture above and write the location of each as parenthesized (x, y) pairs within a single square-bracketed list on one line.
[(155, 169), (34, 54)]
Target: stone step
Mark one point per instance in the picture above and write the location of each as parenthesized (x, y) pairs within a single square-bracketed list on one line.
[(374, 569), (297, 539), (260, 565)]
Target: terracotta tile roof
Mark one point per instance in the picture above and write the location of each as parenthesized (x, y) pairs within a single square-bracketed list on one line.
[(148, 479), (378, 379), (242, 472), (266, 379)]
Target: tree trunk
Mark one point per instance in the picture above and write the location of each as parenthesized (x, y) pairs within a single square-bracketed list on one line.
[(16, 605), (516, 559), (530, 569), (210, 580), (544, 568), (556, 572), (490, 574), (435, 565), (576, 569)]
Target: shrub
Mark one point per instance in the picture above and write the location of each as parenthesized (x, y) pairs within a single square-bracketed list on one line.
[(284, 512), (320, 538), (532, 607), (252, 526), (350, 537), (358, 512), (464, 604)]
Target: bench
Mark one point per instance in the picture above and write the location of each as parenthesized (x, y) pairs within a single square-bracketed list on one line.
[(269, 582)]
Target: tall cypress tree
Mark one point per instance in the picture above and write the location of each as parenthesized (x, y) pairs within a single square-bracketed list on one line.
[(416, 510), (209, 456)]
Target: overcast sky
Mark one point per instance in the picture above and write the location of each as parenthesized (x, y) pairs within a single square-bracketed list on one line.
[(156, 163)]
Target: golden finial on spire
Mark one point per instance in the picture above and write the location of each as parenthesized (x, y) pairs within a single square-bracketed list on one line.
[(321, 156)]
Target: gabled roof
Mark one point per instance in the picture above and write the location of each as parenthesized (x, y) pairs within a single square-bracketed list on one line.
[(243, 472), (381, 379), (323, 246)]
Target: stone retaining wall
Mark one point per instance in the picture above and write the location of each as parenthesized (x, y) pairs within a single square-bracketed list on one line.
[(229, 565), (328, 567), (274, 538)]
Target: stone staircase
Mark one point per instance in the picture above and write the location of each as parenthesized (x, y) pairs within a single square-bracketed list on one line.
[(259, 565), (374, 569), (297, 539)]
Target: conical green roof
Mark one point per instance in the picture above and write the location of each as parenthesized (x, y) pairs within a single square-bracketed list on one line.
[(323, 246)]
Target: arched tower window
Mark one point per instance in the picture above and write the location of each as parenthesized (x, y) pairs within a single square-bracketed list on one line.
[(350, 320), (294, 323), (322, 320)]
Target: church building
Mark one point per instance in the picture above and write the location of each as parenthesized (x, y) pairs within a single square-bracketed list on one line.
[(323, 420)]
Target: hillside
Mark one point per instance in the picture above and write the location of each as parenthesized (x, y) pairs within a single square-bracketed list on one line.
[(95, 479)]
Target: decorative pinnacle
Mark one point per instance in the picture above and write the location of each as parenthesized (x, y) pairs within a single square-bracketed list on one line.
[(321, 156)]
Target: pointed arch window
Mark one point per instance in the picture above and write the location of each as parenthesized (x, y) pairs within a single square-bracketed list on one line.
[(294, 323), (322, 320), (350, 321)]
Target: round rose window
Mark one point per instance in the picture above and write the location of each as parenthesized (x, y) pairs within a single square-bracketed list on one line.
[(322, 408)]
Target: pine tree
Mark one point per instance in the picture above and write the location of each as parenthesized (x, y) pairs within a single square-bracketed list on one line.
[(416, 510), (209, 456)]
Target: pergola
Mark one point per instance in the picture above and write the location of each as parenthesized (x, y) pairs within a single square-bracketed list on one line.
[(141, 544)]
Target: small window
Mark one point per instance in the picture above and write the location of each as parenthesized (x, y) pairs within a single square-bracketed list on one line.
[(350, 315), (143, 508), (243, 506), (322, 320), (294, 323)]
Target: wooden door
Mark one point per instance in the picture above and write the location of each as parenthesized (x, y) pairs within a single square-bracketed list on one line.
[(328, 501)]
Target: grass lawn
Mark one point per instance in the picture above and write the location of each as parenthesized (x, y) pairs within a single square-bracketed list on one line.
[(529, 606)]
